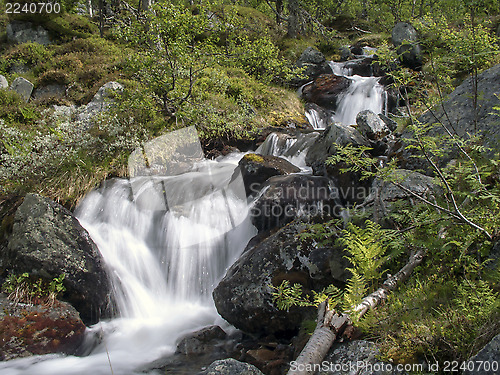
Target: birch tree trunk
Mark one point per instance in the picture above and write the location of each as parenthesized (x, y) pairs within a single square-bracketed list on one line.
[(331, 324), (89, 8), (145, 5), (293, 18)]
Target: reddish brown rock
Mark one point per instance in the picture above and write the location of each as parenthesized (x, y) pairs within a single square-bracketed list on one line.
[(325, 89), (27, 330)]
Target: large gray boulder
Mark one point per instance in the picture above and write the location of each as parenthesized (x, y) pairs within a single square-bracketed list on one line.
[(4, 84), (324, 146), (23, 87), (244, 297), (488, 357), (459, 114), (25, 32), (405, 39), (383, 194), (231, 367), (46, 241), (313, 64), (285, 198), (101, 101), (371, 125)]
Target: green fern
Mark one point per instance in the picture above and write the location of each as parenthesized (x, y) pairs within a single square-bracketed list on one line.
[(366, 248), (355, 291)]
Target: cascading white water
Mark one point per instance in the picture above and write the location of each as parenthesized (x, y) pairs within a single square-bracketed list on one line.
[(316, 121), (291, 148), (362, 94), (163, 259)]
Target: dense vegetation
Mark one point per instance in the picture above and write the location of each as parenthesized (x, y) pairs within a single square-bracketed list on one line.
[(225, 67)]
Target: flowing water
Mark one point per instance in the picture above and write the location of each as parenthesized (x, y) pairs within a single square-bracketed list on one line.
[(165, 253), (363, 93), (168, 238)]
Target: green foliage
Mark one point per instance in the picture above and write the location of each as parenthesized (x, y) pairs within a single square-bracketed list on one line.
[(31, 290), (319, 234), (366, 248), (13, 109), (456, 50), (30, 53)]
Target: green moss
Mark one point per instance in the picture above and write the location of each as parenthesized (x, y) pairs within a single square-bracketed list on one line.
[(254, 22), (372, 40), (254, 157), (291, 49)]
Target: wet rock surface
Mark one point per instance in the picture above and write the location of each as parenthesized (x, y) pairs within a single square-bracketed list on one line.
[(244, 296), (46, 241), (325, 90), (285, 198), (201, 341), (256, 169), (27, 330)]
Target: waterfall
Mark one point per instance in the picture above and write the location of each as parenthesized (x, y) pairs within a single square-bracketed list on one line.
[(292, 148), (363, 93), (166, 241)]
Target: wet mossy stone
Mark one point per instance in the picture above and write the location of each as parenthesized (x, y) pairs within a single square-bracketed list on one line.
[(46, 241)]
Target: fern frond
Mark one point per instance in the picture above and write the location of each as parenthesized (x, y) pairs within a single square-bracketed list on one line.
[(355, 291)]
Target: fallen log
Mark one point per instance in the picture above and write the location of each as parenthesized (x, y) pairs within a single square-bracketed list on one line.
[(331, 323)]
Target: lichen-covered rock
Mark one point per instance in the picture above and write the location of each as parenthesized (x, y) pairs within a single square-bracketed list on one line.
[(488, 357), (4, 84), (23, 87), (27, 330), (100, 102), (244, 296), (371, 125), (256, 169), (383, 194), (25, 32), (459, 114), (231, 367), (46, 241)]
